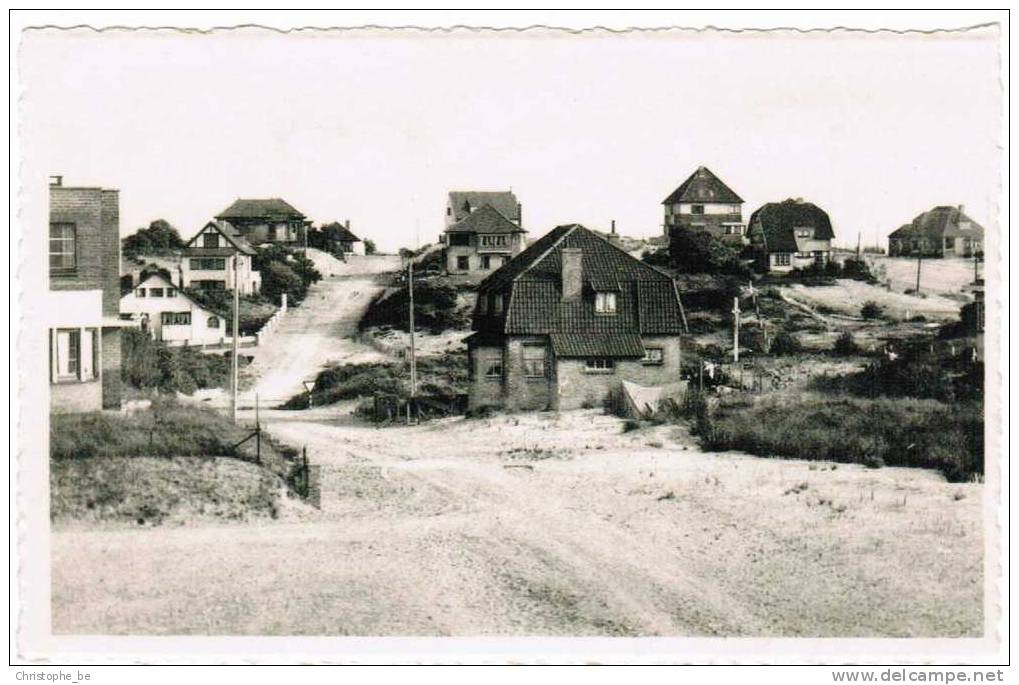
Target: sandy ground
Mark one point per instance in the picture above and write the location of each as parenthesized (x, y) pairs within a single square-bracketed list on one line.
[(847, 297), (310, 336), (936, 275), (544, 524)]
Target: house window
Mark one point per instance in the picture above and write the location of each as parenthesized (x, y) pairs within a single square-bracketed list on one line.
[(804, 233), (497, 304), (734, 230), (75, 354), (493, 241), (653, 356), (210, 239), (486, 262), (155, 292), (209, 264), (449, 211), (949, 243), (210, 285), (175, 318), (213, 322), (140, 292), (600, 365), (782, 259), (493, 369), (605, 303), (534, 361), (63, 245), (463, 263), (696, 209), (460, 239), (171, 292)]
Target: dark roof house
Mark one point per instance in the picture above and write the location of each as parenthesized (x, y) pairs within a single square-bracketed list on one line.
[(463, 202), (778, 222), (486, 219), (935, 232), (272, 209), (703, 186), (339, 232)]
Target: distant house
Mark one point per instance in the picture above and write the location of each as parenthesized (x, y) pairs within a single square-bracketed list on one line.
[(340, 240), (160, 308), (82, 305), (940, 232), (207, 261), (790, 234), (267, 221), (461, 203), (704, 202), (567, 320), (482, 241)]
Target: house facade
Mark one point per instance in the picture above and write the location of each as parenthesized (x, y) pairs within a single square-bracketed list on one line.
[(207, 261), (341, 240), (83, 302), (481, 242), (270, 220), (790, 235), (161, 309), (941, 232), (565, 322), (704, 202)]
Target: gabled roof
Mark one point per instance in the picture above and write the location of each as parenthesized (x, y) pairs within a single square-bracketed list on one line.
[(703, 186), (487, 219), (779, 221), (337, 231), (464, 202), (272, 208), (157, 280), (229, 232), (647, 299), (937, 224)]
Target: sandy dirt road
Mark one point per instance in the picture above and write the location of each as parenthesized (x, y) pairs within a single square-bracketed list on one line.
[(309, 337), (546, 524)]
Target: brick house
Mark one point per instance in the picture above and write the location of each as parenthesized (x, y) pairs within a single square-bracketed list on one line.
[(267, 221), (941, 232), (207, 261), (566, 321), (83, 306), (482, 241), (790, 234), (704, 202)]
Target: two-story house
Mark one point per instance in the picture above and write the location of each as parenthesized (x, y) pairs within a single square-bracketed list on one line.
[(219, 258), (83, 307), (165, 312), (566, 321), (482, 241), (267, 221), (941, 232), (789, 235), (704, 202)]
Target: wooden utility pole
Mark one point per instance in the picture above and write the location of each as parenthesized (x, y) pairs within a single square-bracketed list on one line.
[(736, 329), (859, 237), (410, 316), (234, 365), (919, 260)]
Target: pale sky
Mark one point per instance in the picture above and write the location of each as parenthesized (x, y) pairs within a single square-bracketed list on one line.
[(873, 129)]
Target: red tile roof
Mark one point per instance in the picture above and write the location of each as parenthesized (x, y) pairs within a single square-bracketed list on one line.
[(703, 186)]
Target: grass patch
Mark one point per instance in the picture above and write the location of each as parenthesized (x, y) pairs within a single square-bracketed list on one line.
[(874, 432)]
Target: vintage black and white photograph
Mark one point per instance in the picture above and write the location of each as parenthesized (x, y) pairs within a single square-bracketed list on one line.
[(370, 332)]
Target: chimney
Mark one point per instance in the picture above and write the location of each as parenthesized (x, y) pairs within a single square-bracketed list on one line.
[(56, 181), (613, 227), (962, 209), (520, 215), (346, 224), (573, 273), (613, 237)]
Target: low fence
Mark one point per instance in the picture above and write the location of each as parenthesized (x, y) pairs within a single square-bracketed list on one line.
[(273, 323), (393, 409)]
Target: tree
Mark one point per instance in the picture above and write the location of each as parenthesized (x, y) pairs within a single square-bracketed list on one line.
[(277, 279), (369, 247), (697, 251), (160, 236)]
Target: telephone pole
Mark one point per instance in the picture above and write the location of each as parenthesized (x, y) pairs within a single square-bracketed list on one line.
[(410, 316), (233, 364), (919, 260), (735, 330)]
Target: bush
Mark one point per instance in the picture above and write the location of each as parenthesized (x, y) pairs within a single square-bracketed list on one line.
[(159, 237), (656, 257), (785, 343), (435, 308), (857, 270), (753, 338), (697, 251), (284, 272), (845, 345), (151, 364), (915, 433), (871, 310)]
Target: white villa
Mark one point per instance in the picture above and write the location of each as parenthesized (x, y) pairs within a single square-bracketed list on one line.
[(208, 260), (159, 307)]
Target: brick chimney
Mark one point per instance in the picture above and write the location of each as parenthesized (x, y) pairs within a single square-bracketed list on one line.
[(573, 273), (613, 236), (520, 215), (346, 224), (56, 181)]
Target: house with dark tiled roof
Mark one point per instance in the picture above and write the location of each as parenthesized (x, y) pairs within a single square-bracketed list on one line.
[(339, 239), (483, 240), (219, 258), (941, 232), (790, 234), (704, 202), (461, 203), (267, 221), (566, 321)]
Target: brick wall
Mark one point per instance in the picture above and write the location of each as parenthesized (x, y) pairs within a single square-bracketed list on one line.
[(484, 391), (111, 356), (95, 215), (522, 392)]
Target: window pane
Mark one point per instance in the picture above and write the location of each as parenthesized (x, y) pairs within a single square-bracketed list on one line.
[(87, 352)]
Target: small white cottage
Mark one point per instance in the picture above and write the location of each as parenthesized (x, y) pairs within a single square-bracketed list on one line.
[(159, 307)]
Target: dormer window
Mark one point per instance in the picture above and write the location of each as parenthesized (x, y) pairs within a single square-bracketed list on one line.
[(804, 233), (605, 303), (496, 304)]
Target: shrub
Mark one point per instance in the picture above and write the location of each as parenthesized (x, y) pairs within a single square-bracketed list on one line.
[(785, 343), (284, 272), (858, 270), (630, 425), (697, 251), (151, 364), (753, 338), (435, 308), (871, 310), (845, 345)]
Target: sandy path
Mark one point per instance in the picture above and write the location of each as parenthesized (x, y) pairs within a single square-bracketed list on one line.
[(546, 525), (309, 337)]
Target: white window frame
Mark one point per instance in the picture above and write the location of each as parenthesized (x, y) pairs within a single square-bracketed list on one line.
[(649, 356), (606, 302), (87, 361), (63, 240), (599, 365), (529, 363)]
